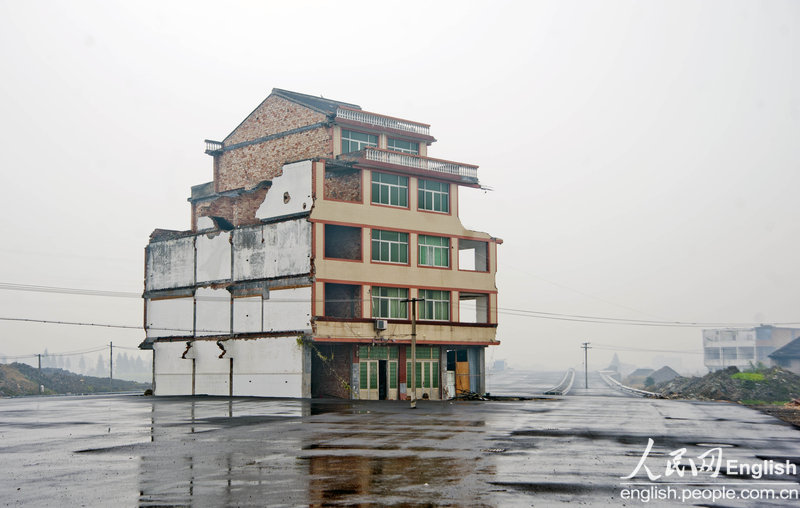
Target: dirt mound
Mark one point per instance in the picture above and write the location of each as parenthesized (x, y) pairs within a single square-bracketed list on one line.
[(758, 386)]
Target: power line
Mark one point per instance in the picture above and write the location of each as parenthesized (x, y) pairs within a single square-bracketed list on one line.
[(501, 310)]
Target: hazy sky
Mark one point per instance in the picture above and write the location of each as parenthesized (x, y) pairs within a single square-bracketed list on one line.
[(644, 156)]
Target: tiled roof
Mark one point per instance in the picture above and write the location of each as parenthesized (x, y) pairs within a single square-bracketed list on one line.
[(320, 104), (791, 349)]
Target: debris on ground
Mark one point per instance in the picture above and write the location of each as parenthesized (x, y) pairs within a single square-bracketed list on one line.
[(759, 386)]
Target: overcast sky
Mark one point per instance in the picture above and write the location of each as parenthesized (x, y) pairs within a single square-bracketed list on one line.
[(644, 156)]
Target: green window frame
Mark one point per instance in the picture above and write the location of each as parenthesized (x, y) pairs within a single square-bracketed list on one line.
[(389, 303), (353, 141), (389, 246), (434, 251), (393, 375), (436, 305), (433, 196), (390, 190), (401, 145)]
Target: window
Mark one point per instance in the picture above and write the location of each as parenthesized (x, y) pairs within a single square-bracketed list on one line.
[(342, 242), (436, 305), (353, 141), (342, 300), (401, 145), (434, 196), (389, 246), (434, 251), (389, 303), (389, 189)]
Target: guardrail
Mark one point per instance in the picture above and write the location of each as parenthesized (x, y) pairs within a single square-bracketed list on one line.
[(564, 386), (613, 383)]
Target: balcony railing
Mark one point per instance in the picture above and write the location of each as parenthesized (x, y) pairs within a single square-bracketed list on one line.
[(424, 163), (213, 146), (383, 121)]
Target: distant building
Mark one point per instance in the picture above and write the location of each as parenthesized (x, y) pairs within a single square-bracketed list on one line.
[(321, 222), (744, 347), (788, 357)]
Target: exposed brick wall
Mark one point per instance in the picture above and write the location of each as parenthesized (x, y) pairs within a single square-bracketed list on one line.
[(239, 210), (246, 166), (330, 370), (272, 116), (344, 185)]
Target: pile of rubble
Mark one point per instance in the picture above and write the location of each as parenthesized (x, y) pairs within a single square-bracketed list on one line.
[(760, 386)]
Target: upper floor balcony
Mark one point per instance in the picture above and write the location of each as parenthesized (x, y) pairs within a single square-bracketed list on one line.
[(382, 121), (465, 173)]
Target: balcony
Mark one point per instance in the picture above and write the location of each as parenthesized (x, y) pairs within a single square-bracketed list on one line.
[(385, 122), (465, 172), (213, 147)]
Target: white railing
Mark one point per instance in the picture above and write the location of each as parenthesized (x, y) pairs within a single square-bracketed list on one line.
[(383, 121), (563, 387), (613, 383), (418, 162), (213, 146)]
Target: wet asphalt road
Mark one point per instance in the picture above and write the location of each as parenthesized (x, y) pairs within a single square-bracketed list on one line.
[(130, 450)]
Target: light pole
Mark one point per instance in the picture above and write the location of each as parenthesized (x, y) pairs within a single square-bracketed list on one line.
[(413, 381), (586, 349)]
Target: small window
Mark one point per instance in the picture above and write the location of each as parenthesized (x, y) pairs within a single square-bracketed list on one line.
[(389, 303), (389, 246), (389, 190), (401, 145), (434, 196), (434, 251), (436, 305), (353, 141), (342, 242)]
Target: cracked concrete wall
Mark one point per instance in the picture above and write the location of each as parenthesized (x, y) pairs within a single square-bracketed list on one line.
[(288, 309), (272, 250), (212, 312), (170, 264), (170, 317), (290, 192), (213, 257)]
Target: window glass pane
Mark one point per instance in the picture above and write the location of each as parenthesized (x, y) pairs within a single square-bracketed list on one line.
[(373, 375), (392, 374), (363, 375), (435, 374)]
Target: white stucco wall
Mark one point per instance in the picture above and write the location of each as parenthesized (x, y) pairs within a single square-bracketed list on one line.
[(213, 311), (288, 309), (173, 374), (268, 367), (212, 373), (264, 367), (170, 264), (170, 317), (290, 193), (213, 257), (247, 314)]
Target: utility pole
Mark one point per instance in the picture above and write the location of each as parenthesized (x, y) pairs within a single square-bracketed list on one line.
[(111, 367), (586, 349), (413, 381), (39, 355)]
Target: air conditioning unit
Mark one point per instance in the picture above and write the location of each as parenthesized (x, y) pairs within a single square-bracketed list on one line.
[(380, 324)]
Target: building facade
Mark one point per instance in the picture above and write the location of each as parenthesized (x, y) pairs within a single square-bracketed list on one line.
[(744, 347), (321, 223)]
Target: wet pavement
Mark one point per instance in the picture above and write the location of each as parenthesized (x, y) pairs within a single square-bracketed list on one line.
[(130, 450)]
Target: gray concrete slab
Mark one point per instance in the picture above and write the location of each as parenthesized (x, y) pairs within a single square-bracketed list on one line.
[(132, 450)]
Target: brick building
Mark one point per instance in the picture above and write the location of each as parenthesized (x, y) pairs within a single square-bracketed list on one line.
[(321, 222)]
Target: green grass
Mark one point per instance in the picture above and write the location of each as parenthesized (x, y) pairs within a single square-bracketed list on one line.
[(749, 376), (755, 402)]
